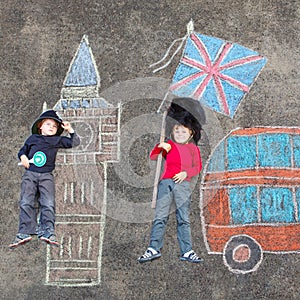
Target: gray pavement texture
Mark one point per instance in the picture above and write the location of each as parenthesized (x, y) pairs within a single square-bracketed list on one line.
[(38, 41)]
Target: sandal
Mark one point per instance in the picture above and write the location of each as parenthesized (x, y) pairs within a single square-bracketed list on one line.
[(191, 256), (149, 255)]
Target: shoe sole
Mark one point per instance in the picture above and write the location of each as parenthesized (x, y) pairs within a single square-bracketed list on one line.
[(49, 242), (22, 242), (143, 260), (190, 260)]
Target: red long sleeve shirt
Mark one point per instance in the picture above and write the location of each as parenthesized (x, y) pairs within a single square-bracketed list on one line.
[(181, 157)]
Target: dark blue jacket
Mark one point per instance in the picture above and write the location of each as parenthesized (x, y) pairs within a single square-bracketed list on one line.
[(49, 145)]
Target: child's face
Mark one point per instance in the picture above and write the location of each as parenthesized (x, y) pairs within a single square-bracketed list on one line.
[(181, 134), (49, 127)]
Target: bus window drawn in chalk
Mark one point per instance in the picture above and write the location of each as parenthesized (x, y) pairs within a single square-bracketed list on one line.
[(250, 196)]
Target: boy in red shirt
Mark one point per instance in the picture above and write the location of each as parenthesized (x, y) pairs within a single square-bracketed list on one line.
[(182, 162)]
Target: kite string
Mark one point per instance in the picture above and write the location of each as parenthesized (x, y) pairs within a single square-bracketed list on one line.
[(167, 53), (189, 30)]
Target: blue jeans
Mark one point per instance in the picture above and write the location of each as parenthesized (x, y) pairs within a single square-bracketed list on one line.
[(33, 185), (181, 193)]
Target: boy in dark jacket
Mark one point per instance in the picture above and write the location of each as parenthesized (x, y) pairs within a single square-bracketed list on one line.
[(38, 156)]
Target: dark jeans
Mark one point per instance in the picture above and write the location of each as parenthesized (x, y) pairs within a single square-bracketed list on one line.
[(34, 184), (168, 191)]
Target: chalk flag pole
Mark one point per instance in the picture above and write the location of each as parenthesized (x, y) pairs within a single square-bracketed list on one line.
[(158, 162)]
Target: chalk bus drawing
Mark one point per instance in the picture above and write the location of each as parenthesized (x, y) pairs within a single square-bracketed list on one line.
[(250, 196)]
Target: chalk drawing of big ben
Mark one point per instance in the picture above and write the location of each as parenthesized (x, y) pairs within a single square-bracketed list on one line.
[(81, 175)]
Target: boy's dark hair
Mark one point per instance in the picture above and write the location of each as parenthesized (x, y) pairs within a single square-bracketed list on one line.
[(187, 112)]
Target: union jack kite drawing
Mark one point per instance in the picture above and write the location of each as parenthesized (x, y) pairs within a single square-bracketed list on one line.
[(216, 72)]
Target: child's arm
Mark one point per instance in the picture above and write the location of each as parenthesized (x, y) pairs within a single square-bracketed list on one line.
[(196, 167), (67, 126), (193, 170), (75, 140), (166, 146), (24, 152), (162, 147), (25, 161), (179, 177)]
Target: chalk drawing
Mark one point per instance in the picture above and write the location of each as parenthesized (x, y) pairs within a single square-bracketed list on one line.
[(82, 79), (216, 72), (250, 196), (81, 175)]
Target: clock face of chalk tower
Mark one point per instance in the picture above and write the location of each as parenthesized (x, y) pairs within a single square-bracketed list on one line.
[(87, 131)]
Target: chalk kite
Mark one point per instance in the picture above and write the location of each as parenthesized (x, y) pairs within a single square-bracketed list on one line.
[(216, 72)]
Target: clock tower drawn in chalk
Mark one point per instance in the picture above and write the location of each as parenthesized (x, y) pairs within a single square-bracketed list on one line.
[(81, 175)]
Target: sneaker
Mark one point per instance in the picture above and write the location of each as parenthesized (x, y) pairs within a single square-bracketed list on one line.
[(50, 239), (21, 238), (191, 256), (149, 255)]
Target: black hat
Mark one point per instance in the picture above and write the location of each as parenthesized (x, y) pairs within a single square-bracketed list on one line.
[(187, 112), (49, 114)]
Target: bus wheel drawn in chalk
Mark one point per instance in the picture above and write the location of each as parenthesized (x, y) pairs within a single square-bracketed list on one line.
[(250, 196)]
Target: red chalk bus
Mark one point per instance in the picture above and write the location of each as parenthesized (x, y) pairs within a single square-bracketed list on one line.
[(250, 196)]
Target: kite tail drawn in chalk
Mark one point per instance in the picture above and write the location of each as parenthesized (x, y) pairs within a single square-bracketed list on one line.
[(216, 72)]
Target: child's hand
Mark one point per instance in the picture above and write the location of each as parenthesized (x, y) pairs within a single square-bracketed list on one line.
[(165, 146), (67, 126), (179, 177), (25, 161)]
